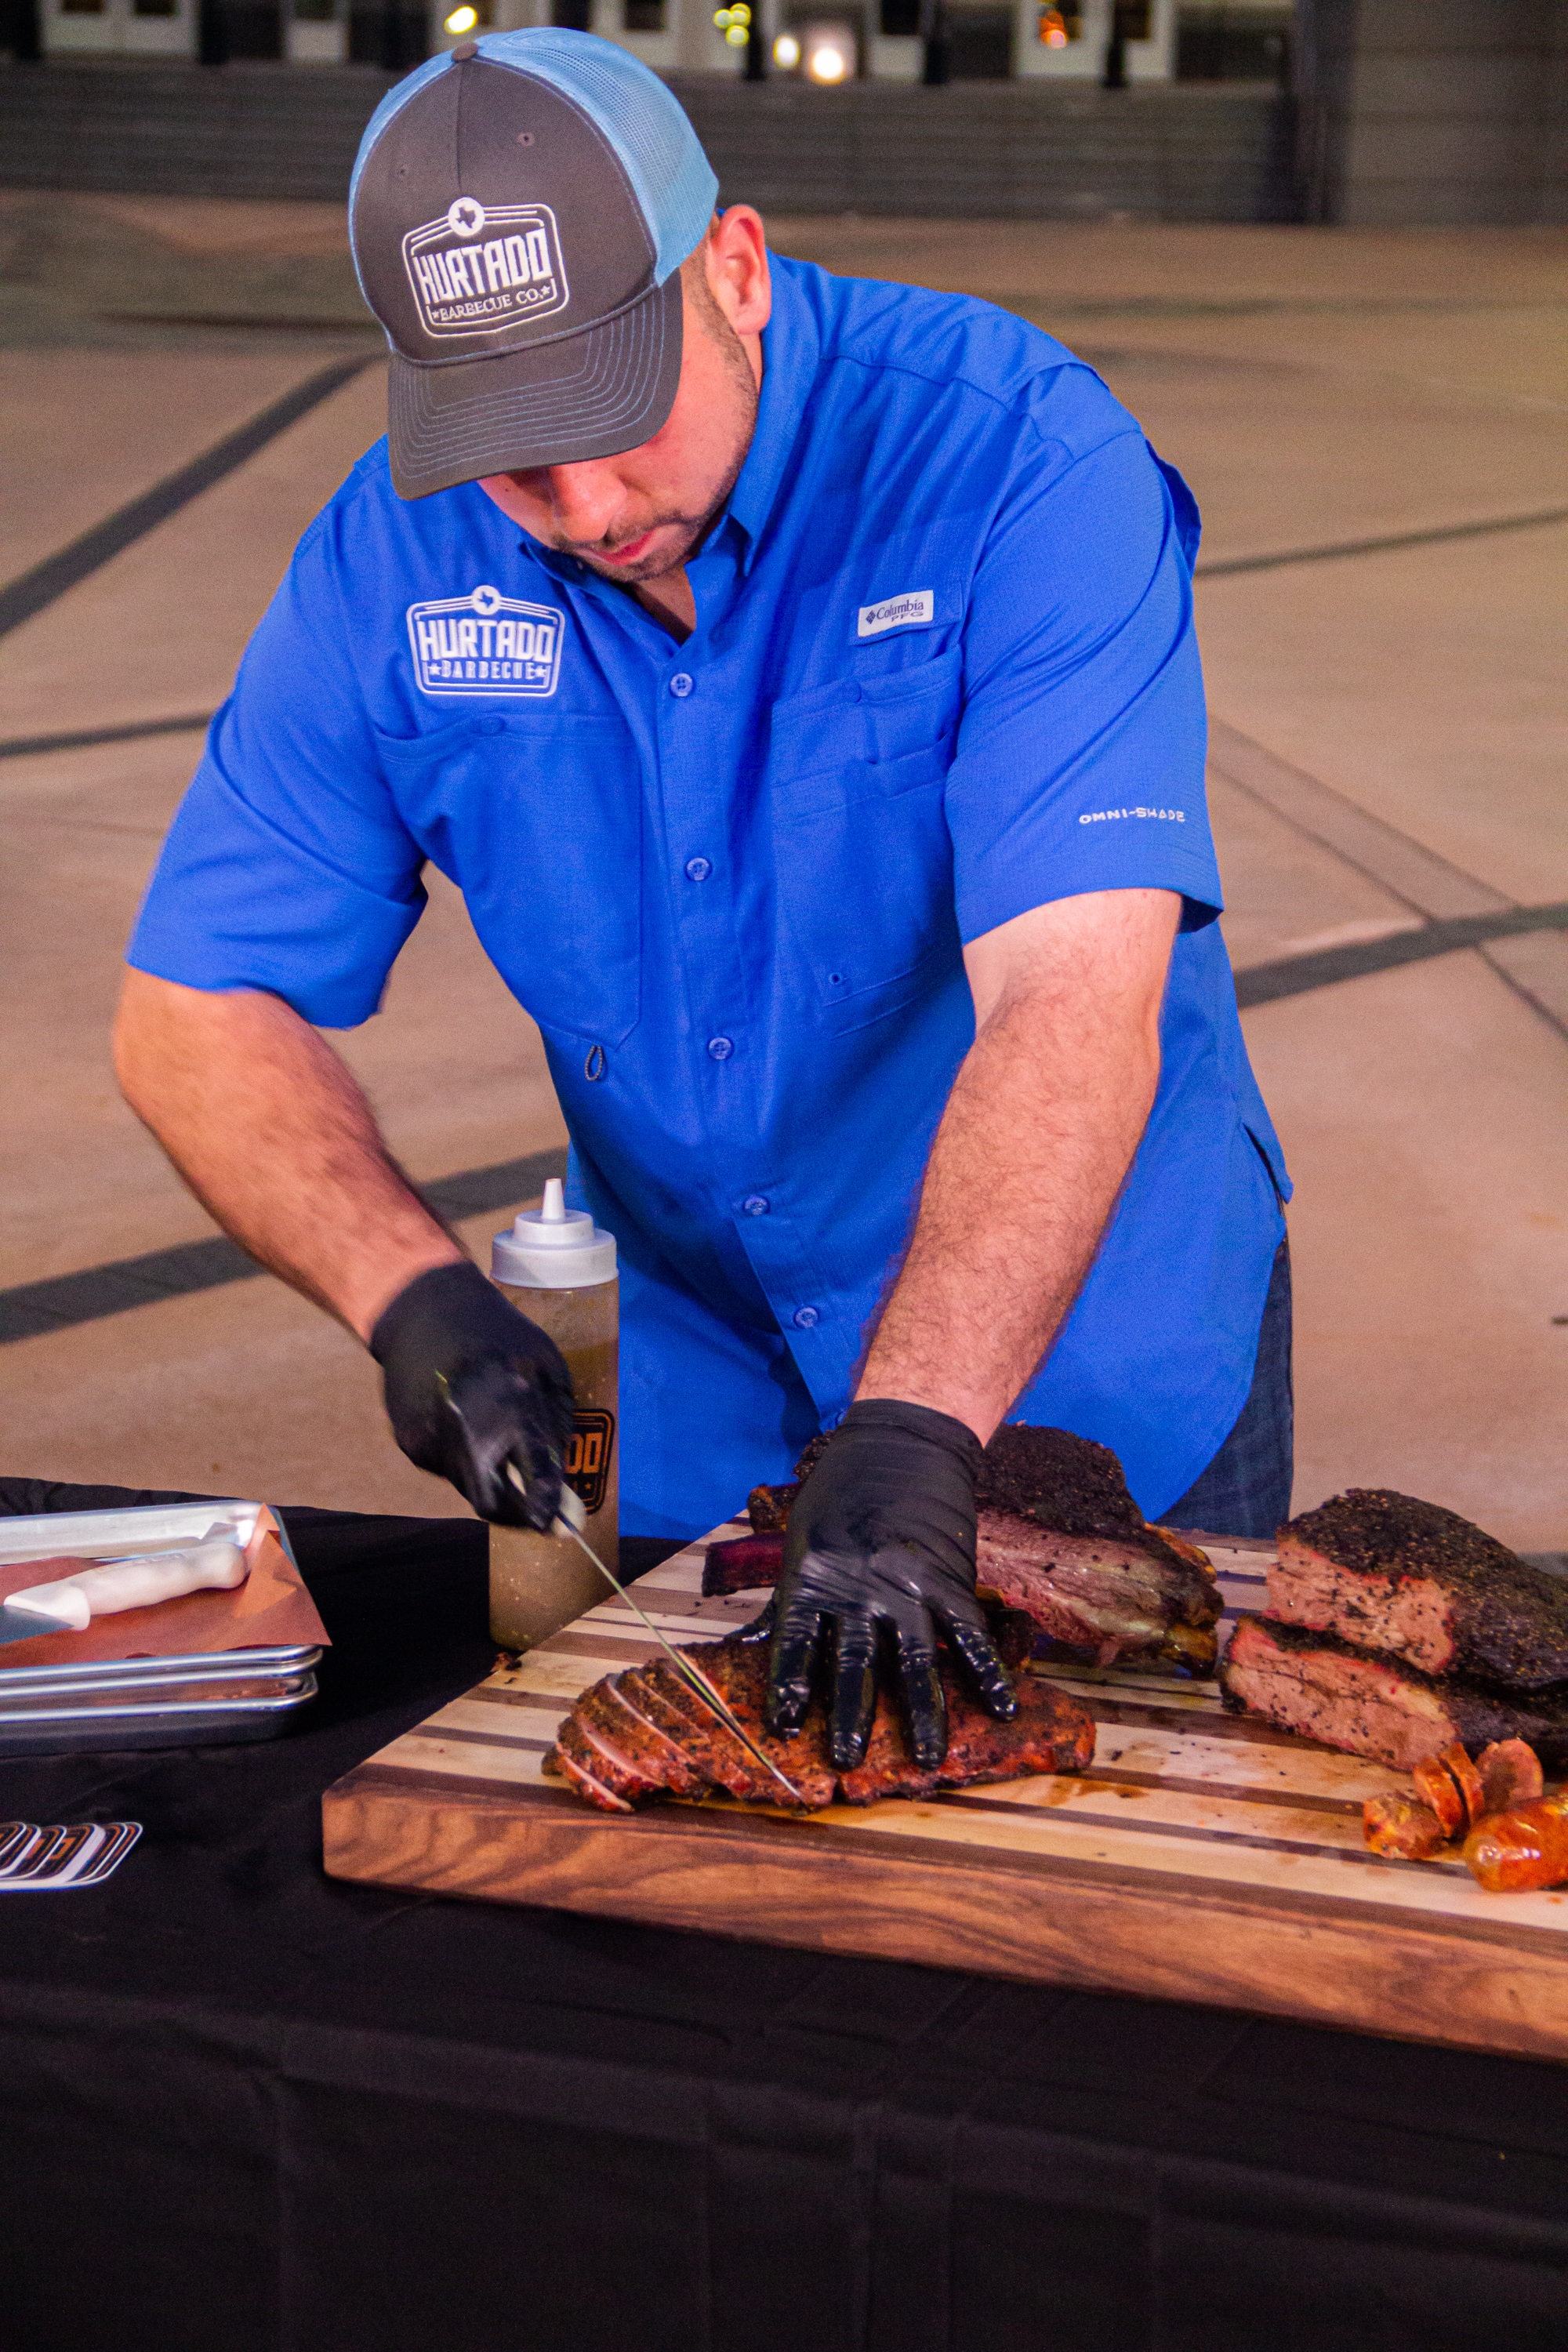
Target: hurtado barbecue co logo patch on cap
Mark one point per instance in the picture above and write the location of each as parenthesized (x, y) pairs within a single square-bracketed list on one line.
[(486, 644), (520, 210), (481, 269)]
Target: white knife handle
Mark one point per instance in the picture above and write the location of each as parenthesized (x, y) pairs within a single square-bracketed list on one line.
[(135, 1583)]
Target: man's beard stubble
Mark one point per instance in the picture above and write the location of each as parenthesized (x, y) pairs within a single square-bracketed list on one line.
[(695, 528)]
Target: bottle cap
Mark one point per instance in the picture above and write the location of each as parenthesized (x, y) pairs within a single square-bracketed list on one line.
[(554, 1247)]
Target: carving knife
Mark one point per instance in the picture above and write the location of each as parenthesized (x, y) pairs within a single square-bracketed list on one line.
[(69, 1604)]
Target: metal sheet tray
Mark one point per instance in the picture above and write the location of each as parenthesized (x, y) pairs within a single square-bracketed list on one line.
[(19, 1686), (97, 1535), (152, 1722)]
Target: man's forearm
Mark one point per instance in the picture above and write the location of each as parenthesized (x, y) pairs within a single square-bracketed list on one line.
[(1039, 1131), (272, 1134)]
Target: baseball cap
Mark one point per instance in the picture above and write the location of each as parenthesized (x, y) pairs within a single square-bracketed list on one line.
[(519, 213)]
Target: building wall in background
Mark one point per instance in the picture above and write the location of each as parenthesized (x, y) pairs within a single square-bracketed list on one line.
[(1440, 112)]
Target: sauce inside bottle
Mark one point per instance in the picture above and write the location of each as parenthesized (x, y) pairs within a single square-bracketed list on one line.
[(559, 1269)]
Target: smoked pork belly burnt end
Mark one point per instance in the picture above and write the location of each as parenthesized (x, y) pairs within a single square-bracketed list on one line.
[(1414, 1581), (1316, 1685), (1061, 1540), (644, 1733)]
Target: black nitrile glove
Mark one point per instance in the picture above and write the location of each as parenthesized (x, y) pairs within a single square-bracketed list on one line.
[(881, 1542), (475, 1390)]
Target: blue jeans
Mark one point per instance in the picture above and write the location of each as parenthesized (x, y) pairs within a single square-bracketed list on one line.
[(1245, 1490)]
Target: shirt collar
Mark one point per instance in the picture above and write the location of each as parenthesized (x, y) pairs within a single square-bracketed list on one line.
[(792, 347)]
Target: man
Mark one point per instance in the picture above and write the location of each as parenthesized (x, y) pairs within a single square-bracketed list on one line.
[(798, 678)]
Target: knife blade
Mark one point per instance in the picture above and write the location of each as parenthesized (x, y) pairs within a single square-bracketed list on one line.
[(69, 1604)]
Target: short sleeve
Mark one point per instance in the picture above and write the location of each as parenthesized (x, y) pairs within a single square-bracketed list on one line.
[(1080, 762), (288, 866)]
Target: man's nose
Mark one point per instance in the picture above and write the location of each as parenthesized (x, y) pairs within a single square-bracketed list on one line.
[(585, 501)]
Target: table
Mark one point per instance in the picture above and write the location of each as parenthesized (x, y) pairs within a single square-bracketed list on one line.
[(247, 2108)]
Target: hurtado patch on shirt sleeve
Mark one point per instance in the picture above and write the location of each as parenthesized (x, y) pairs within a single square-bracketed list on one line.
[(486, 644)]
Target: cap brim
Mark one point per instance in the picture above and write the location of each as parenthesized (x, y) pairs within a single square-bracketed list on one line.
[(558, 404)]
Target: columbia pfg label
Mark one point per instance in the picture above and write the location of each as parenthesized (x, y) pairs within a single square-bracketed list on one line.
[(486, 644), (914, 610), (483, 268)]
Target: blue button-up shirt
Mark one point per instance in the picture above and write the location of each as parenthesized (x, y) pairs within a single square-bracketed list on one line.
[(943, 671)]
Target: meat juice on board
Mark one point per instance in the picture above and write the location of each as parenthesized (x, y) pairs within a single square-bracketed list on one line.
[(558, 1268)]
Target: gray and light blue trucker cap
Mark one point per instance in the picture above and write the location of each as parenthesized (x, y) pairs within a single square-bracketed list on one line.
[(519, 212)]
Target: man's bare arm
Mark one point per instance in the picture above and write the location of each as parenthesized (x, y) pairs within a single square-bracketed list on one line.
[(274, 1137), (1040, 1128)]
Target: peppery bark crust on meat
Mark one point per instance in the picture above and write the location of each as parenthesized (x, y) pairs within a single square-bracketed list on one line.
[(1390, 1573), (1318, 1685), (644, 1733), (1062, 1482)]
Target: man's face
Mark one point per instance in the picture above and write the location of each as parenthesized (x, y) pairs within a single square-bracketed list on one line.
[(637, 516)]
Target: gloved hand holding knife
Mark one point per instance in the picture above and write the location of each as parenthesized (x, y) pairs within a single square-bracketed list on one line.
[(879, 1561), (477, 1394)]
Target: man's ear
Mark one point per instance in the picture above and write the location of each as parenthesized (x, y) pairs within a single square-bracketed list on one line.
[(734, 257)]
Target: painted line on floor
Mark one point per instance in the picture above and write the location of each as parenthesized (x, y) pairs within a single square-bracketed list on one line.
[(31, 1309), (18, 746), (1390, 541), (1266, 984), (28, 596)]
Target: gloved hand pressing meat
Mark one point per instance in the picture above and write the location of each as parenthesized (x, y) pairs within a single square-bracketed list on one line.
[(881, 1549), (474, 1390)]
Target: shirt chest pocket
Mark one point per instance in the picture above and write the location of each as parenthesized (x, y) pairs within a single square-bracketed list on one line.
[(539, 822), (864, 857)]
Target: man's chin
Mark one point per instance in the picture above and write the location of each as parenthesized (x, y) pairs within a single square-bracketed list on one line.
[(668, 547)]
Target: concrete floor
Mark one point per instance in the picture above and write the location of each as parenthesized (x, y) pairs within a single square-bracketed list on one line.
[(1388, 748)]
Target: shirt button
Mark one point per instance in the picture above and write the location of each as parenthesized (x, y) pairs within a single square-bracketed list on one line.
[(489, 726), (757, 1206), (721, 1048), (682, 684), (698, 869), (806, 1318)]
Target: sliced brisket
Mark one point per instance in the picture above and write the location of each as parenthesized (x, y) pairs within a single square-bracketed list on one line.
[(1317, 1684), (615, 1747), (1415, 1582)]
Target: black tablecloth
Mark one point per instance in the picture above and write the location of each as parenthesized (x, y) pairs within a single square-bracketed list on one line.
[(250, 2110)]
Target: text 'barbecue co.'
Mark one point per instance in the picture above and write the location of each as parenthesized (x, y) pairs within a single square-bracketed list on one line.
[(486, 644), (481, 267)]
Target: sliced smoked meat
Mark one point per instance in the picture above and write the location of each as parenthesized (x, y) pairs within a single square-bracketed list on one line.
[(1398, 1825), (1510, 1775), (1440, 1792), (1316, 1685), (1415, 1582), (599, 1750)]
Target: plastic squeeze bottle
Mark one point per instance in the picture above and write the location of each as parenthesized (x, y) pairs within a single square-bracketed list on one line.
[(558, 1268)]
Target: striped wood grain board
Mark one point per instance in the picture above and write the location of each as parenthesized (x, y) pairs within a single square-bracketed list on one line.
[(1199, 1858)]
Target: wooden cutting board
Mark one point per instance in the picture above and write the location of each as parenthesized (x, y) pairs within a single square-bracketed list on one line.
[(1200, 1858)]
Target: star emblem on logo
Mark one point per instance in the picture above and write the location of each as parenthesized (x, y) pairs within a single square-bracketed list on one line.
[(486, 599), (465, 217)]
